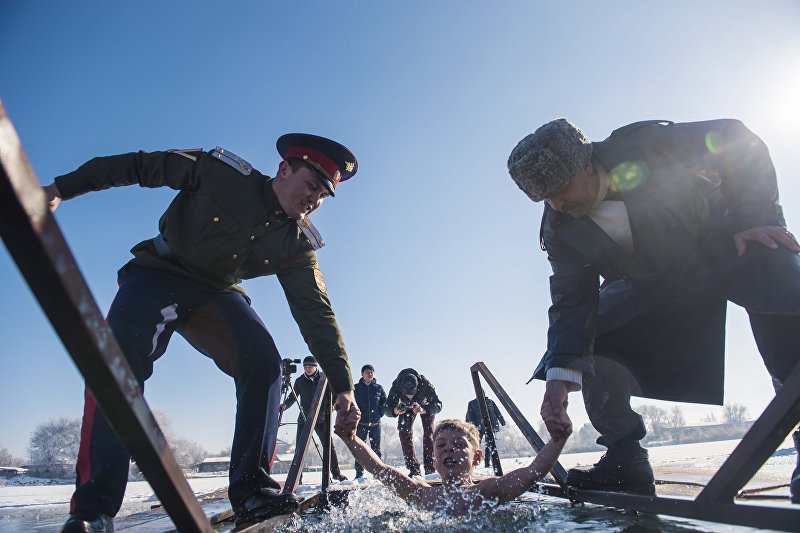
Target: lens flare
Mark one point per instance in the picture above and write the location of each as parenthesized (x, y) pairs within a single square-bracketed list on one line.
[(714, 142), (628, 175)]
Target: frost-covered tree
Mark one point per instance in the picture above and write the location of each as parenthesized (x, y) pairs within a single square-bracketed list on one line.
[(55, 441), (710, 418), (674, 418), (735, 413), (654, 418), (187, 452), (6, 459)]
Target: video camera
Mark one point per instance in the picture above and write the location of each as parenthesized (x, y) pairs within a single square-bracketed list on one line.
[(289, 368), (290, 365)]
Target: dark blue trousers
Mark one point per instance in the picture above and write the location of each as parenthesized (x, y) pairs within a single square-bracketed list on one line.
[(373, 431), (150, 306)]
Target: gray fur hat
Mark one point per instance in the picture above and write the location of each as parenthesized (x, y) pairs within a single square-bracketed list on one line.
[(543, 162)]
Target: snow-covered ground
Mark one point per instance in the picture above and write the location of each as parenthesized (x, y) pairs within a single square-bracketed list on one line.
[(28, 505)]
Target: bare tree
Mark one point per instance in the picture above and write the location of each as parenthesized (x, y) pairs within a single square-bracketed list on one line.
[(674, 418), (710, 418), (654, 418), (6, 459), (735, 413), (584, 439), (55, 441)]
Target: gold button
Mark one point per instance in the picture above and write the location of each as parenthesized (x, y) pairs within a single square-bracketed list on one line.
[(266, 261), (216, 219), (235, 256), (252, 237)]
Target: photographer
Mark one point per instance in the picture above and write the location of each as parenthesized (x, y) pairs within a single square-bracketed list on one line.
[(304, 389), (411, 395)]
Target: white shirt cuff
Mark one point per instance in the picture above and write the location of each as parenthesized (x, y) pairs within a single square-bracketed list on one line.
[(570, 375)]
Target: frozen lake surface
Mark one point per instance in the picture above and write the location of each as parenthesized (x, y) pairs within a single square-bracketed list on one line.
[(43, 508)]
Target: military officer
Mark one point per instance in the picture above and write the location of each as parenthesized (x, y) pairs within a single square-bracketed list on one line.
[(679, 218), (229, 222)]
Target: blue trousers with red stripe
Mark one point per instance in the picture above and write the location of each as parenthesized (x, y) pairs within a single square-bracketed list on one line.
[(149, 306)]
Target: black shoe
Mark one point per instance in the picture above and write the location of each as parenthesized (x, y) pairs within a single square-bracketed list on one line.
[(794, 487), (89, 524), (412, 473), (265, 503), (339, 477), (623, 468)]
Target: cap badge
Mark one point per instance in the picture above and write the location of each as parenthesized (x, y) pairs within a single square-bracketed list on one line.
[(348, 166)]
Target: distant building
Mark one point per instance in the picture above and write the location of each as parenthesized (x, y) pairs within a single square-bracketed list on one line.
[(11, 471), (52, 470), (223, 464)]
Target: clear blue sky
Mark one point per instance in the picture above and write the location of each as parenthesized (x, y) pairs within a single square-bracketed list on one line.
[(432, 258)]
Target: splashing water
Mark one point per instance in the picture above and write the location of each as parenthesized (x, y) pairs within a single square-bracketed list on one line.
[(375, 508)]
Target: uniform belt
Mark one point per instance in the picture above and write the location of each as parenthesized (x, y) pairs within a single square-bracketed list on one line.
[(162, 249)]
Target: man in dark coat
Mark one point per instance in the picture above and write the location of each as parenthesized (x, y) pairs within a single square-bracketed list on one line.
[(412, 394), (227, 223), (304, 387), (371, 400), (678, 219), (475, 418)]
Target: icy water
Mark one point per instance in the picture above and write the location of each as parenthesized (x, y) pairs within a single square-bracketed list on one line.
[(376, 509)]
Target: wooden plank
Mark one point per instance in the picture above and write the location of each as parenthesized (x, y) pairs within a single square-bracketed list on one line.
[(38, 247)]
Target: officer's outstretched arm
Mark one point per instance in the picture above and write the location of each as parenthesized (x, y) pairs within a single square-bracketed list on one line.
[(53, 196)]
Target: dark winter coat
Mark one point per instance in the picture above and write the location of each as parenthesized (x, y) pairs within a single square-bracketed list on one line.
[(688, 188), (225, 225), (371, 400), (474, 415), (304, 387), (425, 396)]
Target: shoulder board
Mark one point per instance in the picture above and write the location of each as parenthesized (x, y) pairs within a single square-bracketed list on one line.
[(226, 156), (624, 130), (191, 153), (311, 233)]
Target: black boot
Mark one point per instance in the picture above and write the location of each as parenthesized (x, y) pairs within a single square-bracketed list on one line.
[(794, 487), (265, 503), (623, 468), (89, 524)]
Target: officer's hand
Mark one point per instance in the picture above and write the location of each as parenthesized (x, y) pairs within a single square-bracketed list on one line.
[(417, 408), (283, 407), (554, 409), (347, 414), (399, 411), (769, 236), (53, 196)]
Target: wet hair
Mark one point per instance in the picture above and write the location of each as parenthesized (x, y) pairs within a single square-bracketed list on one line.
[(469, 431)]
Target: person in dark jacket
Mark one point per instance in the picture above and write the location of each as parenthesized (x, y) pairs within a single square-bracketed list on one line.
[(412, 394), (678, 219), (227, 223), (371, 400), (304, 387), (495, 418)]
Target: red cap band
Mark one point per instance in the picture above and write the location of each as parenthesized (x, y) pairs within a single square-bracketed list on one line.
[(324, 162)]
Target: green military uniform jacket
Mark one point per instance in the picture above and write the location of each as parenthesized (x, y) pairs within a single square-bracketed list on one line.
[(225, 225)]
